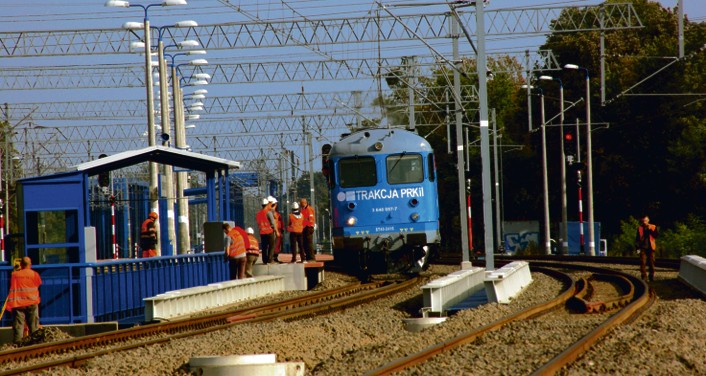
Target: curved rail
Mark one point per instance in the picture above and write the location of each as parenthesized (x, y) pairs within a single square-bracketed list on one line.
[(186, 324), (259, 314), (400, 364), (582, 302), (641, 299)]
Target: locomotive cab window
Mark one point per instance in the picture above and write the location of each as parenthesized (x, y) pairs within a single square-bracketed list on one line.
[(357, 172), (405, 168)]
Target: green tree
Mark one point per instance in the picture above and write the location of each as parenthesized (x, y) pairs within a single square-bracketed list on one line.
[(502, 95), (651, 159)]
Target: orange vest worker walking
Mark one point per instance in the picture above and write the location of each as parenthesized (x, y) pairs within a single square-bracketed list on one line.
[(23, 300), (148, 236)]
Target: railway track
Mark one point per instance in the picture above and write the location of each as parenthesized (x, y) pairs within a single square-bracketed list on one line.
[(123, 340), (629, 297)]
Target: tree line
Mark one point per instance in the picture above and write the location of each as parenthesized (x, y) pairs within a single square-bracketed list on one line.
[(648, 143)]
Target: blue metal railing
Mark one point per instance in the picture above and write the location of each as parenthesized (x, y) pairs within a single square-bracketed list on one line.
[(116, 288)]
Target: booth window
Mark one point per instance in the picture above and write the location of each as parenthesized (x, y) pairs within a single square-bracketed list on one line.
[(56, 227)]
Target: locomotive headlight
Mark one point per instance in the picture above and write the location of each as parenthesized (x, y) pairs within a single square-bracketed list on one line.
[(351, 221), (378, 146), (414, 217)]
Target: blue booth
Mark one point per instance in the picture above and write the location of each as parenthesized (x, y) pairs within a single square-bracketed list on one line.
[(55, 220)]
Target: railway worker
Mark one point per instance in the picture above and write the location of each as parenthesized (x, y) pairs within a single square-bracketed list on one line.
[(253, 252), (279, 223), (296, 237), (148, 236), (23, 299), (309, 227), (266, 223), (646, 246), (236, 250)]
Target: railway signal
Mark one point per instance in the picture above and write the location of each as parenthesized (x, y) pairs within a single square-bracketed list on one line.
[(570, 141)]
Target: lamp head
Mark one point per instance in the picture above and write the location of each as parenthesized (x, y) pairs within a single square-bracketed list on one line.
[(169, 3), (132, 25), (186, 23), (117, 3), (189, 43)]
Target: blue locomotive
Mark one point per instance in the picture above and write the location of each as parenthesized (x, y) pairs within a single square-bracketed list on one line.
[(384, 201)]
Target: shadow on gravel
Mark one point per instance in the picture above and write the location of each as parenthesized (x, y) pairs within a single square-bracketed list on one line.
[(672, 289), (411, 306)]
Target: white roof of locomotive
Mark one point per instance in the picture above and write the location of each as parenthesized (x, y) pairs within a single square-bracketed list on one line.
[(393, 141)]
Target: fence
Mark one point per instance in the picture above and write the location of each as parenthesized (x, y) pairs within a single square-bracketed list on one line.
[(114, 290)]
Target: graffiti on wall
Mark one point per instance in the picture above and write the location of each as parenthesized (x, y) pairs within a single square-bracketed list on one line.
[(519, 235), (519, 241)]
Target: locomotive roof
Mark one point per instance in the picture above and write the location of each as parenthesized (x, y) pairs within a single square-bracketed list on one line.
[(392, 140)]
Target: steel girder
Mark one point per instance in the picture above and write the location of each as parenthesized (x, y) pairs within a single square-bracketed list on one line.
[(332, 31)]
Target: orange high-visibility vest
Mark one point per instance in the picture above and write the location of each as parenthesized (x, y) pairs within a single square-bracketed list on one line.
[(24, 289), (308, 214), (237, 243), (653, 243), (296, 223), (254, 248), (278, 221), (263, 222)]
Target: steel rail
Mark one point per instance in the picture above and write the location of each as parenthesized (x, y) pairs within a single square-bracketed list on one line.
[(467, 337), (644, 298), (288, 310), (584, 303), (28, 352)]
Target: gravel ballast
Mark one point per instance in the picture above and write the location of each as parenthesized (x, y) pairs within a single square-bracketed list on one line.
[(670, 339)]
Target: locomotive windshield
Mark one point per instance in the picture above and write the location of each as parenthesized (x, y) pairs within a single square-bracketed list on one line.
[(357, 172), (405, 168)]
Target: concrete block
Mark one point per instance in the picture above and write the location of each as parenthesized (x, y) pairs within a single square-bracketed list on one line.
[(445, 292), (692, 271), (294, 274), (504, 284), (245, 365), (183, 302)]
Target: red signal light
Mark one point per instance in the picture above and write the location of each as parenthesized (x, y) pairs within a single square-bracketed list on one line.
[(568, 137)]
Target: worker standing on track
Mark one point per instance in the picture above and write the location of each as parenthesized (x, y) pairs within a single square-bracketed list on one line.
[(309, 227), (23, 299), (646, 246), (253, 252), (279, 226), (236, 249), (148, 236), (266, 223), (296, 237)]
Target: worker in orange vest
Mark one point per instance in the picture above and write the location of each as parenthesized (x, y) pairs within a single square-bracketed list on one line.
[(296, 236), (646, 246), (236, 250), (253, 252), (280, 228), (309, 227), (268, 226), (148, 236), (23, 299)]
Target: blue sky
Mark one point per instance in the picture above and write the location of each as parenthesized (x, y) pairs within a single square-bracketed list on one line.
[(34, 15)]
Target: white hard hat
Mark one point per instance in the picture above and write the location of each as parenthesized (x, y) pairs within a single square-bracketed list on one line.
[(265, 201), (271, 199), (249, 230), (295, 206)]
